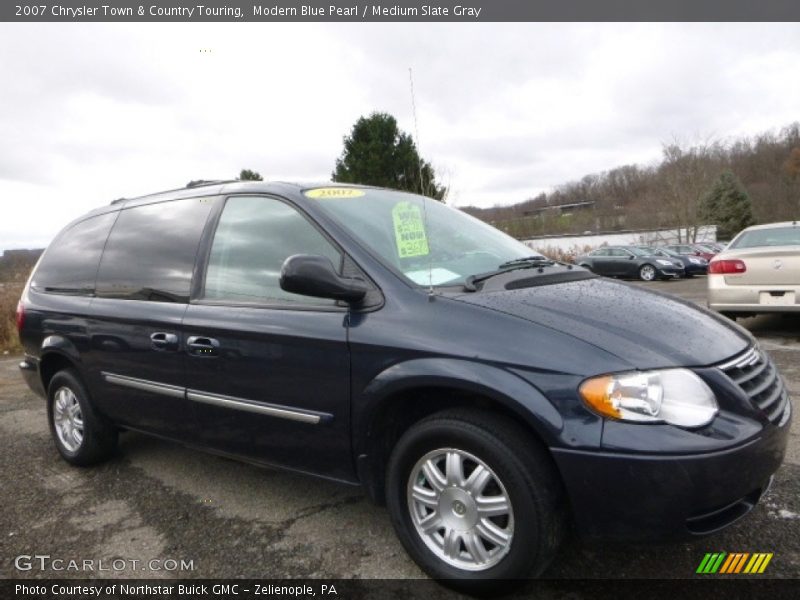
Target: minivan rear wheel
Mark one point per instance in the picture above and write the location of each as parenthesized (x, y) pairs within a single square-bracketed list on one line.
[(473, 498), (81, 436)]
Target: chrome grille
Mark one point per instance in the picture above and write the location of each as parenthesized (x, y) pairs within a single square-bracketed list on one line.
[(756, 374)]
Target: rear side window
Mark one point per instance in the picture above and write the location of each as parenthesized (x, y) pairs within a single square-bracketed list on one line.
[(254, 237), (151, 251), (70, 264)]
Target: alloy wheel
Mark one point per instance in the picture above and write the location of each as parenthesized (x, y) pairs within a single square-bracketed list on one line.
[(647, 273), (68, 419), (460, 509)]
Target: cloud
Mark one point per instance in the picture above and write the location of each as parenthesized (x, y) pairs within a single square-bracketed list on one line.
[(91, 112)]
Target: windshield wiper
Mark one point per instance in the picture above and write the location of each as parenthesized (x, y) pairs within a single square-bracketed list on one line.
[(526, 262), (535, 258)]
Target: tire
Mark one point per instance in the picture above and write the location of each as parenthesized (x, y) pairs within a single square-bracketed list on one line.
[(81, 436), (647, 272), (510, 464)]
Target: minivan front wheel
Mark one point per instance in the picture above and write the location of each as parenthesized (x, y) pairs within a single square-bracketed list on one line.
[(466, 521), (473, 498), (80, 435)]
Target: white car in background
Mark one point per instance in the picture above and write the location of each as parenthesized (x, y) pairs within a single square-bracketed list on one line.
[(758, 272)]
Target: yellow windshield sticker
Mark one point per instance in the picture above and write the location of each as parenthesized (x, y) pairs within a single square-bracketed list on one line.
[(409, 230), (334, 192)]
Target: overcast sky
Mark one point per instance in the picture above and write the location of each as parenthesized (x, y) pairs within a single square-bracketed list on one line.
[(93, 112)]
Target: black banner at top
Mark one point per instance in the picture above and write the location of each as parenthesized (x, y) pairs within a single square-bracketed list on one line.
[(398, 10)]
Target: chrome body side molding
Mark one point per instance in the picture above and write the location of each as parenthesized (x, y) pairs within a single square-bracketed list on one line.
[(231, 402), (174, 391), (271, 410)]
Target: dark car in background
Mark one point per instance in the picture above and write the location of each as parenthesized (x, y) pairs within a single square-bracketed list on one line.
[(631, 262), (492, 398), (693, 250), (692, 265)]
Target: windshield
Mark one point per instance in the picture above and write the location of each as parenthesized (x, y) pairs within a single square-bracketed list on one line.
[(669, 252), (774, 236), (639, 251), (442, 247)]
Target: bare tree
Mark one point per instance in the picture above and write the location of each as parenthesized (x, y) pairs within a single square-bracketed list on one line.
[(666, 195), (686, 174)]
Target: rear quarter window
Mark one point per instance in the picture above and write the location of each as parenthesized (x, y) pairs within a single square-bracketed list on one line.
[(69, 266)]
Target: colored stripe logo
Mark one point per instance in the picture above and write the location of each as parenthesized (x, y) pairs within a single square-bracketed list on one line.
[(733, 563)]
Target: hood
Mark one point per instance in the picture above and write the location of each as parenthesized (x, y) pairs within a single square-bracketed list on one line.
[(644, 328)]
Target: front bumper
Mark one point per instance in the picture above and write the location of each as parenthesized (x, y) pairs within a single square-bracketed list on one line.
[(669, 497), (673, 271), (696, 269)]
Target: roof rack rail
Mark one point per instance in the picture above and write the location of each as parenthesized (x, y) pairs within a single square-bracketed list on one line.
[(201, 182), (190, 185)]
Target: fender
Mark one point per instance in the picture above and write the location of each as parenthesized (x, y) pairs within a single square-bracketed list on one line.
[(31, 367), (489, 381), (59, 344)]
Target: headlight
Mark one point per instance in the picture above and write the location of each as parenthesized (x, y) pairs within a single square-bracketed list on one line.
[(675, 396), (666, 263)]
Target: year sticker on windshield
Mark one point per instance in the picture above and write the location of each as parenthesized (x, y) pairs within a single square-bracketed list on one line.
[(334, 192)]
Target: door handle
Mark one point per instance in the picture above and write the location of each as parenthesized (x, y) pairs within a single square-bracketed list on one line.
[(199, 345), (164, 341)]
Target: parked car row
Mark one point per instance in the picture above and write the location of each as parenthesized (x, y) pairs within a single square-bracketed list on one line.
[(706, 251), (649, 263), (757, 272)]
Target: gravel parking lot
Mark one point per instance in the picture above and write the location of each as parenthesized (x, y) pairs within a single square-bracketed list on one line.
[(162, 501)]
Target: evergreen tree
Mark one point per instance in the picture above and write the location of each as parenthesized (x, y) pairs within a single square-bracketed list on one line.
[(377, 153), (727, 205), (248, 175)]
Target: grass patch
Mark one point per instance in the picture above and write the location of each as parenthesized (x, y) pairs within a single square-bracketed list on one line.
[(9, 296)]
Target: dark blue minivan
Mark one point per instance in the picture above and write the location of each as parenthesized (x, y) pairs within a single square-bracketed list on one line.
[(492, 398)]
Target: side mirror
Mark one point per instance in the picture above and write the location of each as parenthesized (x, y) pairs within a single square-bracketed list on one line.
[(631, 257), (314, 275)]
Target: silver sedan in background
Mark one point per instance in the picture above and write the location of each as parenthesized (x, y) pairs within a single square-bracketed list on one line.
[(758, 272)]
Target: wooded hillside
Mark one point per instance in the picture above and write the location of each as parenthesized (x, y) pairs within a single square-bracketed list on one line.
[(667, 194)]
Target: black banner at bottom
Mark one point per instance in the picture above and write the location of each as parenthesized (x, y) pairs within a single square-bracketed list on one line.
[(356, 589)]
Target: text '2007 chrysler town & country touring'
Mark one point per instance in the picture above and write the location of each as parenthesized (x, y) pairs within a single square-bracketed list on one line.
[(491, 397)]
